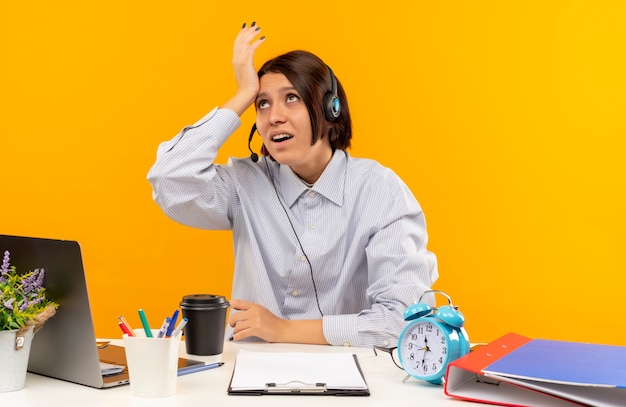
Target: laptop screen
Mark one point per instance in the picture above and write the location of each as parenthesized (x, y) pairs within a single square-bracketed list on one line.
[(65, 347)]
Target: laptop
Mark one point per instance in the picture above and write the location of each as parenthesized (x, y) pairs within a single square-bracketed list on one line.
[(65, 347)]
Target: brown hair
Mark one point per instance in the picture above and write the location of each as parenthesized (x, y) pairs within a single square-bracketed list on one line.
[(312, 79)]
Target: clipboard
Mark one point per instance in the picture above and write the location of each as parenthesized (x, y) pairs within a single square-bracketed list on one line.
[(297, 373)]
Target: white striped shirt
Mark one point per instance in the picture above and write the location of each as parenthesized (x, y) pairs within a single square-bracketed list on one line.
[(361, 228)]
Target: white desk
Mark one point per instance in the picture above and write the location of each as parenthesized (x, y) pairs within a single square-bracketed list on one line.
[(208, 388)]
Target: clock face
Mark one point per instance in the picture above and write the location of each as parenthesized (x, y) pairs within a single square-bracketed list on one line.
[(424, 349)]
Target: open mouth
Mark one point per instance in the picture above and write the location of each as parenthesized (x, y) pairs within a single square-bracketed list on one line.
[(279, 138)]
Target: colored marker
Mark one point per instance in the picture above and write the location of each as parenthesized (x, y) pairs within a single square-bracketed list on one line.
[(125, 325), (179, 328), (163, 329), (172, 324), (125, 329), (144, 322)]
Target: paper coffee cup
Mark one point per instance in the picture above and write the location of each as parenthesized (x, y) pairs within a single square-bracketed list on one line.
[(206, 315)]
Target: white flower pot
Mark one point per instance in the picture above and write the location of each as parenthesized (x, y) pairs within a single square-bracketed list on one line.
[(14, 362)]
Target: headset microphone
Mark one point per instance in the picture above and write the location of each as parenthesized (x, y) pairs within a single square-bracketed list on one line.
[(253, 156)]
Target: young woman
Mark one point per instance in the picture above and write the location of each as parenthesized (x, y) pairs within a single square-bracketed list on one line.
[(329, 249)]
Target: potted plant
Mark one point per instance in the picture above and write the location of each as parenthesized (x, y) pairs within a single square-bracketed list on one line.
[(23, 310)]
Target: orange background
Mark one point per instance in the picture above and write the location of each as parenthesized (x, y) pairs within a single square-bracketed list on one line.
[(506, 119)]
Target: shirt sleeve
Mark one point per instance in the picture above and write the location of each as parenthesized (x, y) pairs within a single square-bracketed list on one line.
[(186, 183), (399, 268)]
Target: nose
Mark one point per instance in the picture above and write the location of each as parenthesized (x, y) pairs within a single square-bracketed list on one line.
[(277, 114)]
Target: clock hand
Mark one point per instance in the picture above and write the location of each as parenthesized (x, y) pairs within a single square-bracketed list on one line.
[(425, 349)]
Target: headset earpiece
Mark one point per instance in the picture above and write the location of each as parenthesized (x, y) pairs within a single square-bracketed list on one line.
[(332, 107)]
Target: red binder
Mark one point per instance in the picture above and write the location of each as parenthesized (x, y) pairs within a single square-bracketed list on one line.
[(515, 370)]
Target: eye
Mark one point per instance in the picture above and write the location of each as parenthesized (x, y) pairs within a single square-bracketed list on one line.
[(292, 98), (262, 104)]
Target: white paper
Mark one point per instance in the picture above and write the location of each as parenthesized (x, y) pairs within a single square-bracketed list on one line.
[(255, 370)]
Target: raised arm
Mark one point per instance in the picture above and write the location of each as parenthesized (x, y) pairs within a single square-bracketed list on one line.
[(244, 49)]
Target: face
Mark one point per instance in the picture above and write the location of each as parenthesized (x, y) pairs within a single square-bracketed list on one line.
[(284, 124)]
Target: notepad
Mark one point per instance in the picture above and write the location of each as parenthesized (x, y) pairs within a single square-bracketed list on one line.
[(297, 373)]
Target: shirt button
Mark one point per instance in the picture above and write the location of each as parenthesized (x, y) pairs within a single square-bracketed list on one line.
[(303, 258), (294, 293), (311, 194), (313, 227), (346, 344), (386, 343)]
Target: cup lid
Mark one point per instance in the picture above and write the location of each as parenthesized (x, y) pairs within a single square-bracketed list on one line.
[(204, 301)]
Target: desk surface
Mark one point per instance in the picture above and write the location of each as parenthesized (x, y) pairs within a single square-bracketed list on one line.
[(208, 388)]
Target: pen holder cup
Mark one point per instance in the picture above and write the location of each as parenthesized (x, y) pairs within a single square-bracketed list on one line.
[(152, 364)]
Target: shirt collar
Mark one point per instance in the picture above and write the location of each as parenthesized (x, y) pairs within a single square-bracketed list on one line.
[(330, 184)]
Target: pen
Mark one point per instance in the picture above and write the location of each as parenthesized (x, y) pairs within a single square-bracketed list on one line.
[(172, 324), (164, 327), (125, 329), (198, 368), (179, 327), (125, 325), (144, 322)]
